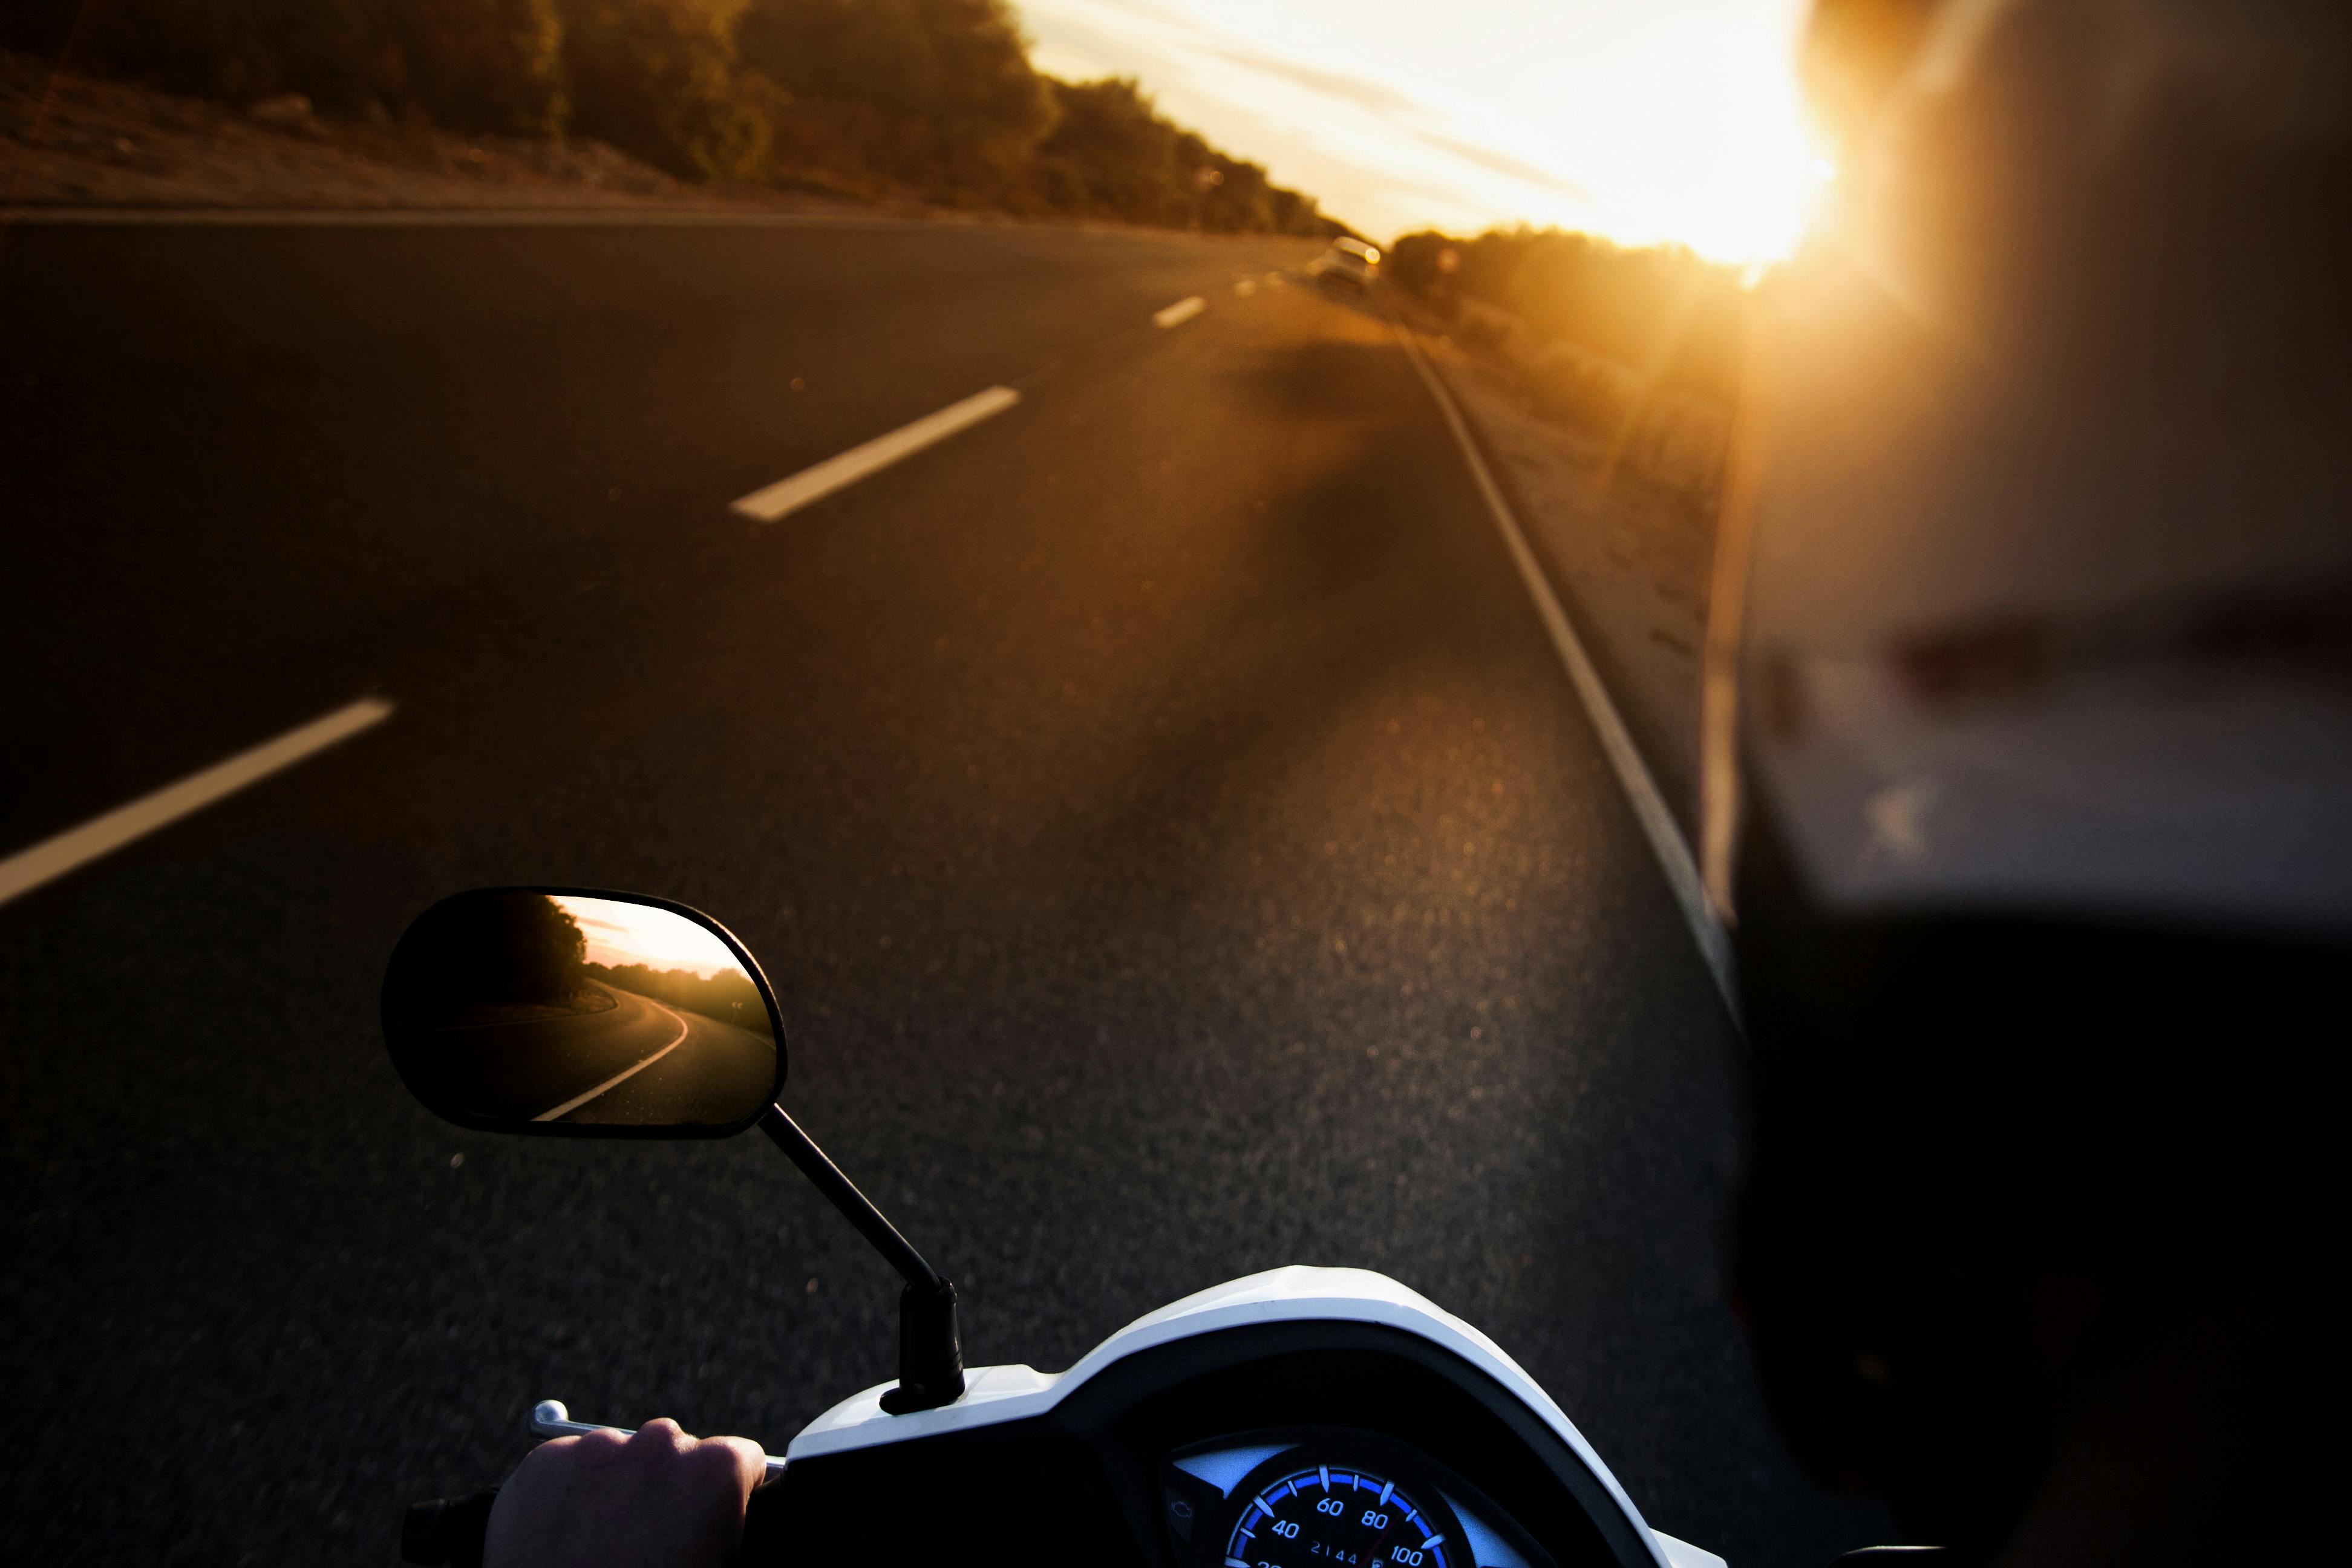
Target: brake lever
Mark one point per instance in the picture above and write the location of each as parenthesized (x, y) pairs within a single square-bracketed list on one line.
[(551, 1418)]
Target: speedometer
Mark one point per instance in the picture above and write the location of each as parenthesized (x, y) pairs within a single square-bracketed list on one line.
[(1337, 1514)]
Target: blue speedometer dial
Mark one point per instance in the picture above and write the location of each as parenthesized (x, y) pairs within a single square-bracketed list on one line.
[(1337, 1514)]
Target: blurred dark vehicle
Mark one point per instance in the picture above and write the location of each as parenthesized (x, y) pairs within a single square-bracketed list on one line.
[(2030, 733)]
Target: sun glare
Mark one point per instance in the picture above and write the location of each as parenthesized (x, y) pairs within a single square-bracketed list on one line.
[(1645, 121), (621, 933), (1791, 177), (1715, 152)]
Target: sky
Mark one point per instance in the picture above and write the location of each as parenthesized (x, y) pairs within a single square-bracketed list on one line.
[(621, 933), (1641, 119)]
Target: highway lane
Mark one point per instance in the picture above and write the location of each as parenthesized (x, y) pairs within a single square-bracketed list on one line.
[(701, 1071), (616, 1058), (266, 463), (1171, 835)]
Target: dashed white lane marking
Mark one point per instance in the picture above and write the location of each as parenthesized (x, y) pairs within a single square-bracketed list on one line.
[(790, 495), (1633, 774), (1182, 311), (574, 1103), (1246, 286), (52, 858)]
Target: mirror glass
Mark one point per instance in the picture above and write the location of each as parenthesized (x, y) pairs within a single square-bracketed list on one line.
[(531, 1011)]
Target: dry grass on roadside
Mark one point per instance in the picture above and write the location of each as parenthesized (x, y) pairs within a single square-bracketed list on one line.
[(71, 140)]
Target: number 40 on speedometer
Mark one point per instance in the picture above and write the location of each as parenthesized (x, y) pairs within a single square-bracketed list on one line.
[(1335, 1515)]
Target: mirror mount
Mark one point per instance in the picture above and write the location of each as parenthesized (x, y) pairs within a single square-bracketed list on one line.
[(931, 1347), (567, 1012)]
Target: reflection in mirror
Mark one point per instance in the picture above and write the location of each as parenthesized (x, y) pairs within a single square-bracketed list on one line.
[(534, 1010)]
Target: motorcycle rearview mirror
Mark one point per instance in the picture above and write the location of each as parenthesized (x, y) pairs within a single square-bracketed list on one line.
[(569, 1012), (523, 1010)]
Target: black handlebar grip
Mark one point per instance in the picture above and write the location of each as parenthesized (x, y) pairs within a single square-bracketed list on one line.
[(447, 1531), (765, 1521)]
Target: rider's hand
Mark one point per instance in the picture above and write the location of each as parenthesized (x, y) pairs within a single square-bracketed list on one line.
[(656, 1500)]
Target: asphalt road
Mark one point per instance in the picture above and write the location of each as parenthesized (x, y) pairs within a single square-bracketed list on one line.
[(627, 1059), (1176, 846), (698, 1071)]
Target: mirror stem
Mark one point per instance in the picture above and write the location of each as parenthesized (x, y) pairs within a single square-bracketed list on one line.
[(930, 1349)]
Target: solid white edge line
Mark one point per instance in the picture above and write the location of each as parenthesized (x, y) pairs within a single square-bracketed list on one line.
[(1182, 311), (1650, 807), (618, 1079), (68, 851), (814, 484)]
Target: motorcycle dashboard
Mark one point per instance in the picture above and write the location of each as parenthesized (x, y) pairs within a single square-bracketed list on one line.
[(1272, 1445), (1311, 1498)]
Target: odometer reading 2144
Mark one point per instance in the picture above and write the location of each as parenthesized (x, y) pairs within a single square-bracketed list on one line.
[(1335, 1514)]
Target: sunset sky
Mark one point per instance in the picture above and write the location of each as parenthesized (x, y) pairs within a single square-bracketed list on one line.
[(621, 933), (1641, 119)]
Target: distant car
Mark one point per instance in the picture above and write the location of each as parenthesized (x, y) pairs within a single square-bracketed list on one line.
[(1350, 261)]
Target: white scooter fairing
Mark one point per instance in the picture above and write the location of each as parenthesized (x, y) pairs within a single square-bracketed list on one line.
[(996, 1395)]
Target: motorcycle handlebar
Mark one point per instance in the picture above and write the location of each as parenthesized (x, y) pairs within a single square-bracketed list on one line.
[(764, 1522), (447, 1533)]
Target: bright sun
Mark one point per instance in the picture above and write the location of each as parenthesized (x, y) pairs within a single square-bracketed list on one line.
[(1645, 121), (1719, 155)]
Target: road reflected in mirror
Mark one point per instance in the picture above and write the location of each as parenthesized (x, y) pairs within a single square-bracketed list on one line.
[(530, 1011)]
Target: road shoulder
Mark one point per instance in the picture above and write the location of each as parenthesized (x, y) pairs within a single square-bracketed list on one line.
[(1629, 559)]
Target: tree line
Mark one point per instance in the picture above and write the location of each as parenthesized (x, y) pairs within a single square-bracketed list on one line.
[(935, 99), (1670, 316)]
